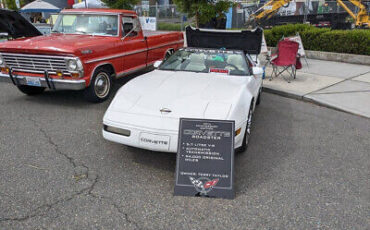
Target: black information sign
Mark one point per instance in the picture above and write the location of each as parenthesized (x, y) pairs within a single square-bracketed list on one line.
[(205, 158)]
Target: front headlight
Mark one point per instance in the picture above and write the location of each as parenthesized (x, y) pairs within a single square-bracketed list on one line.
[(72, 65), (1, 61)]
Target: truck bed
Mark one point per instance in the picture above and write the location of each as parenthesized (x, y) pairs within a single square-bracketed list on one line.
[(159, 42), (148, 33)]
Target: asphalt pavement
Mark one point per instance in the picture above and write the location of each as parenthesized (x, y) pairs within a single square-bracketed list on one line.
[(307, 167)]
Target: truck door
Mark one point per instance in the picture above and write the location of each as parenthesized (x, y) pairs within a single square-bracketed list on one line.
[(134, 45)]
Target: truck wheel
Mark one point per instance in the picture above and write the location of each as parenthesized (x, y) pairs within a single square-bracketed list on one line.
[(168, 54), (31, 90), (247, 132), (100, 86)]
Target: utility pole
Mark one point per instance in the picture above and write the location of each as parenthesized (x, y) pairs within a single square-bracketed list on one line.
[(306, 7)]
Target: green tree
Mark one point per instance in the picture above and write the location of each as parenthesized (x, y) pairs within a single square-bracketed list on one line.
[(204, 10), (10, 4), (121, 4)]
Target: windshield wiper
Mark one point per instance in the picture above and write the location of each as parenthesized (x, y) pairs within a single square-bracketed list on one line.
[(183, 60)]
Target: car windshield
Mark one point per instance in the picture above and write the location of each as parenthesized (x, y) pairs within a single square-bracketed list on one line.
[(205, 61), (91, 24)]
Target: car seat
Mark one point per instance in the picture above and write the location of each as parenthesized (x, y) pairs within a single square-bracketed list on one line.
[(236, 60), (196, 62)]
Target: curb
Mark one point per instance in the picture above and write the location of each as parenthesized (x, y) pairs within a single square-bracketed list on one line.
[(339, 57), (309, 100), (282, 93)]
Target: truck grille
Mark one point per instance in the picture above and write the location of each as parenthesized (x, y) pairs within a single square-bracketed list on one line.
[(35, 63)]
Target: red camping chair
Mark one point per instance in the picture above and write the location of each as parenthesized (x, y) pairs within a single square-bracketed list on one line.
[(286, 58)]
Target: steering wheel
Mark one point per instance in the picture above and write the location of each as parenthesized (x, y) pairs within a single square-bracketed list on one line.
[(232, 65)]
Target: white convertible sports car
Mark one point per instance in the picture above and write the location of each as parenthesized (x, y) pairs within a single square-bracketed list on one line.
[(216, 77)]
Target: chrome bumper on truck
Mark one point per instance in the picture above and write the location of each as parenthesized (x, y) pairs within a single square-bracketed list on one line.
[(46, 81)]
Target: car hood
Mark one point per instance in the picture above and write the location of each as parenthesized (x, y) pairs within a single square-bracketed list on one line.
[(60, 43), (16, 25), (178, 94)]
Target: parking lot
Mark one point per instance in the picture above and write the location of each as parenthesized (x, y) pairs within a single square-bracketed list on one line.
[(307, 167)]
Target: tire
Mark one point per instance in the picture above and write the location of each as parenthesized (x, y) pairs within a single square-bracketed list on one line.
[(247, 132), (100, 86), (168, 54), (258, 98), (31, 90)]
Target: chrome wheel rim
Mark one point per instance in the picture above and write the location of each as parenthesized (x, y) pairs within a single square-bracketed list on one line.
[(102, 85)]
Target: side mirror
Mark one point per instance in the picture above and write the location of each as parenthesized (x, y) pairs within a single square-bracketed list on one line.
[(257, 71), (157, 64)]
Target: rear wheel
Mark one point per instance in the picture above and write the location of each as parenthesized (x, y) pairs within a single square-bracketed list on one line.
[(168, 54), (100, 86), (248, 130), (31, 90)]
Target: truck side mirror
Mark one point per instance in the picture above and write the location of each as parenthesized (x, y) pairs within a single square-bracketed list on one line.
[(157, 64)]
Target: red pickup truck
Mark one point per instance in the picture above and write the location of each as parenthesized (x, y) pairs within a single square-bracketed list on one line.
[(87, 50)]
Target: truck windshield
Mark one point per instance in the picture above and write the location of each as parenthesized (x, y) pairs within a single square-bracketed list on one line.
[(105, 25), (207, 61)]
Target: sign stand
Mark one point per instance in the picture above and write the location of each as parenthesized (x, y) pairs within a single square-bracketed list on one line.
[(205, 158)]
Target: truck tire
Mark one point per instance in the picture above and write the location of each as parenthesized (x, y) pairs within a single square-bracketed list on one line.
[(168, 54), (31, 90), (100, 86)]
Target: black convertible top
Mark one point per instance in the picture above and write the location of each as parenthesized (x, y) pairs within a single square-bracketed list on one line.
[(16, 25), (248, 41)]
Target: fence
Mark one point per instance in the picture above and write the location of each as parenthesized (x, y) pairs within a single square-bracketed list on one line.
[(163, 13), (294, 9), (241, 14)]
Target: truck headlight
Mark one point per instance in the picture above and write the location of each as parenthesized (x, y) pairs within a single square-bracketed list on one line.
[(72, 65), (1, 61)]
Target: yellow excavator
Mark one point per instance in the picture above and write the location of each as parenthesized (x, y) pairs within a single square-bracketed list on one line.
[(362, 18), (270, 8)]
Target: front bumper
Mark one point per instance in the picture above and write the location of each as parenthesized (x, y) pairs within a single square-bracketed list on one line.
[(55, 84), (136, 135)]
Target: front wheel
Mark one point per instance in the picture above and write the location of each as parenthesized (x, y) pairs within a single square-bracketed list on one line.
[(31, 90), (100, 87), (248, 130)]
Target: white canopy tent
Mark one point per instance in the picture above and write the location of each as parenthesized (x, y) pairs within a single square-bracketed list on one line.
[(39, 6), (90, 4)]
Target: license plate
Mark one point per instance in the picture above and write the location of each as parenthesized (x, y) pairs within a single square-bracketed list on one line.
[(33, 81), (154, 142)]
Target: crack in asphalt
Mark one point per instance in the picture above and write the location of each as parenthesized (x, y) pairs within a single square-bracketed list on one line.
[(71, 160), (111, 201), (116, 206), (44, 209)]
